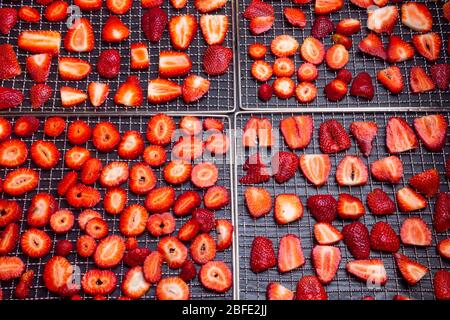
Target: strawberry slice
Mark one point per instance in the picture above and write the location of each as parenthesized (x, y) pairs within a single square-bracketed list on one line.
[(98, 92), (399, 50), (73, 68), (262, 70), (348, 27), (258, 8), (44, 154), (133, 220), (336, 57), (391, 78), (80, 37), (41, 41), (364, 133), (203, 248), (258, 201), (428, 45), (259, 25), (326, 234), (440, 73), (134, 284), (216, 276), (152, 267), (177, 4), (129, 93), (373, 46), (114, 30), (20, 181), (419, 80), (81, 196), (204, 175), (408, 200), (399, 136), (276, 291), (205, 6), (432, 131), (8, 238), (11, 212), (5, 129), (58, 276), (78, 132), (194, 88), (8, 17), (290, 253), (99, 282), (70, 97), (316, 168), (11, 268), (91, 171), (10, 98), (10, 67), (410, 270), (216, 198), (114, 174), (35, 243), (29, 14), (13, 153), (214, 28), (389, 169), (177, 172), (174, 64), (312, 50), (172, 288), (368, 270), (295, 16), (89, 5), (162, 90), (186, 203), (332, 137), (306, 92), (56, 11), (38, 67), (326, 261), (363, 3), (310, 288), (284, 46), (415, 232), (182, 30), (350, 207), (284, 87), (119, 6), (417, 16), (26, 126), (189, 230), (173, 251), (382, 20), (224, 230), (443, 248), (288, 208), (139, 58), (109, 252), (142, 178), (323, 7), (297, 131), (151, 3), (160, 129), (131, 145)]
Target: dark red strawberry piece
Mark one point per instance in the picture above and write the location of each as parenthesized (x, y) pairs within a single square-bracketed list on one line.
[(8, 19), (136, 257), (258, 8), (10, 98), (217, 59), (332, 137), (310, 288), (40, 94), (441, 284), (364, 133), (9, 67), (205, 218), (379, 202), (323, 207), (357, 239), (362, 86), (441, 219), (440, 73), (154, 23), (108, 64), (284, 166), (384, 238), (262, 255), (257, 171), (322, 27)]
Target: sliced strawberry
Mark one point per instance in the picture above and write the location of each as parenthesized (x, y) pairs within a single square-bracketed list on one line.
[(388, 169), (306, 92), (139, 58), (109, 252), (79, 132), (443, 248), (379, 202), (343, 40), (441, 283), (26, 126), (29, 14), (131, 145), (398, 50), (62, 221), (53, 127), (173, 251), (204, 175), (172, 288), (256, 171), (194, 88), (316, 168), (216, 198), (258, 201), (129, 93), (98, 92), (382, 20), (134, 284), (332, 137), (351, 171), (41, 41), (58, 276), (326, 261), (177, 172), (384, 238), (115, 200), (160, 199), (362, 3), (174, 64), (420, 81), (259, 25), (152, 267), (153, 23), (35, 243), (9, 238), (11, 268), (13, 153), (203, 248), (114, 30), (105, 137), (410, 270), (288, 208), (86, 216), (364, 133), (417, 16), (213, 124), (399, 136), (56, 11), (373, 46), (348, 26), (188, 148), (324, 7), (391, 78), (162, 90), (96, 228), (189, 230), (432, 131), (297, 131), (142, 179), (182, 30), (216, 276), (415, 232), (119, 6), (68, 181), (44, 154), (22, 290), (284, 46), (440, 73), (11, 212), (350, 207), (76, 157), (217, 143), (336, 90), (80, 37), (191, 125), (307, 72), (258, 8), (409, 200), (10, 67), (81, 196), (275, 291), (20, 181), (224, 231), (154, 156), (214, 28), (177, 4), (205, 6), (186, 203), (99, 282), (114, 174), (336, 57), (290, 253), (108, 64), (70, 97), (261, 70), (428, 45), (426, 182), (368, 270), (89, 5), (326, 234), (73, 68), (295, 16), (5, 129), (133, 220), (8, 17)]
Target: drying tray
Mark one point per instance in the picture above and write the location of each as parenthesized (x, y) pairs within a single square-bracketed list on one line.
[(220, 98), (48, 183), (344, 286), (358, 62)]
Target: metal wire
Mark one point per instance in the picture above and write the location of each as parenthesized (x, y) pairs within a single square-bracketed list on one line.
[(344, 286), (358, 62), (220, 98), (48, 181)]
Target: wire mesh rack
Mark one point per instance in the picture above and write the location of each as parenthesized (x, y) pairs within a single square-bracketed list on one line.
[(220, 98), (358, 61), (48, 180), (344, 286)]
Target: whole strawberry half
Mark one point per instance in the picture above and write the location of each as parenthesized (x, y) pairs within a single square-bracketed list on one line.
[(284, 166), (441, 220), (384, 238), (323, 207), (357, 239), (217, 59), (442, 285), (262, 255)]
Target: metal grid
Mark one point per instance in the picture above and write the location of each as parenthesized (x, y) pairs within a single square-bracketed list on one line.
[(358, 61), (48, 183), (344, 286), (220, 98)]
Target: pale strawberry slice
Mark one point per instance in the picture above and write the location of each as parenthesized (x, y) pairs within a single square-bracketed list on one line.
[(80, 37), (41, 41), (119, 6), (73, 68), (350, 207), (323, 7), (134, 284), (182, 30), (129, 93), (316, 168), (284, 46), (326, 234), (214, 28), (419, 80), (194, 88), (432, 131), (417, 16), (290, 253), (297, 131), (276, 291), (368, 270), (399, 50), (415, 232), (428, 45), (399, 136), (38, 67), (162, 90), (114, 30), (326, 261), (174, 64), (288, 208), (205, 6), (408, 200), (139, 58), (388, 169), (259, 25), (351, 171), (98, 92), (71, 97), (411, 271), (312, 50), (178, 4), (258, 201), (382, 20)]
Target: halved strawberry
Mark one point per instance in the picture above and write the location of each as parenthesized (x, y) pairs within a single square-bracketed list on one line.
[(388, 169), (172, 288), (214, 28), (443, 248), (420, 81), (80, 37), (336, 57), (391, 78), (295, 16), (13, 153), (81, 196), (326, 261), (350, 207), (109, 252), (11, 268), (182, 30), (194, 88), (76, 157), (9, 238), (20, 181), (398, 50), (139, 57), (288, 208), (258, 201), (154, 155), (29, 14), (379, 202), (10, 67), (364, 133), (351, 171), (316, 168), (224, 231), (343, 40), (73, 68), (428, 45), (417, 16), (312, 50), (382, 20), (348, 27), (44, 154), (411, 271), (373, 46), (432, 131), (259, 25), (70, 97), (333, 137), (409, 200), (89, 5), (290, 253), (368, 270), (399, 136), (114, 30), (119, 6), (114, 174), (105, 137), (426, 182), (323, 7), (258, 8), (174, 64), (10, 98), (173, 251), (134, 284), (25, 283), (40, 94), (98, 92), (415, 232), (177, 172), (56, 11), (62, 221), (306, 92), (115, 200), (297, 131), (216, 198), (35, 243), (162, 90), (205, 6), (276, 291), (11, 212), (216, 276), (160, 199), (41, 41), (326, 234), (133, 220), (129, 93)]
